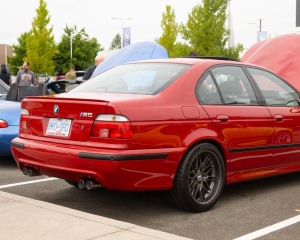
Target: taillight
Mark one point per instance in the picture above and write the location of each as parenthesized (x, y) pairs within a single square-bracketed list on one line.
[(112, 126), (24, 121), (3, 124)]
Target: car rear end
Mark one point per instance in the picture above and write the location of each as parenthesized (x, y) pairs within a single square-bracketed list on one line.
[(84, 136)]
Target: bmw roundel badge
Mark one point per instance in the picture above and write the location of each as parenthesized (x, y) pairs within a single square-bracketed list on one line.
[(55, 109)]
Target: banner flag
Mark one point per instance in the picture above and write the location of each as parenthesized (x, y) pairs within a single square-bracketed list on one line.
[(126, 37)]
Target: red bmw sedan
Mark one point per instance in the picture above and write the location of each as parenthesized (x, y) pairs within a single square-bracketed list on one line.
[(187, 126)]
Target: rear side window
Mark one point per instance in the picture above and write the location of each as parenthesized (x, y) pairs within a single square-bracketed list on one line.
[(137, 78), (275, 91), (227, 85)]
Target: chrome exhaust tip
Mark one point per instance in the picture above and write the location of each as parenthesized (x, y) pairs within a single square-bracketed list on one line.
[(30, 172), (92, 185), (25, 171), (81, 184)]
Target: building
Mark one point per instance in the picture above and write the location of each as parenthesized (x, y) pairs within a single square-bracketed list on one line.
[(5, 52)]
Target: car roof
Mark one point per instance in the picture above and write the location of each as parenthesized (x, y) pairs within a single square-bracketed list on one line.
[(207, 61)]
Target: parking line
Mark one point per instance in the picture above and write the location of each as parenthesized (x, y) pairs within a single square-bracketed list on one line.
[(28, 182), (270, 229)]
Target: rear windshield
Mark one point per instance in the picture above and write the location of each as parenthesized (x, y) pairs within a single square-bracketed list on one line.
[(137, 78)]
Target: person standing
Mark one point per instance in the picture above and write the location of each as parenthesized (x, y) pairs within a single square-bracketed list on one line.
[(89, 72), (5, 75), (25, 77), (71, 75)]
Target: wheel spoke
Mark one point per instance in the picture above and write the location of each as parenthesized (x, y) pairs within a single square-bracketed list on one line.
[(207, 188), (201, 195), (212, 179), (206, 160), (194, 191), (208, 168)]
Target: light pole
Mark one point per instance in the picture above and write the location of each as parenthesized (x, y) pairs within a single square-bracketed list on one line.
[(122, 19), (5, 54), (71, 40)]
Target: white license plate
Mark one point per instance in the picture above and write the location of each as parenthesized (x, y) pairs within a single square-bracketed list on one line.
[(58, 127)]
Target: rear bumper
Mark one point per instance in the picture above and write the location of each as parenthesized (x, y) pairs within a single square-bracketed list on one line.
[(143, 169)]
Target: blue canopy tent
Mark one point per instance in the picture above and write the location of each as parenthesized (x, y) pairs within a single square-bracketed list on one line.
[(138, 51)]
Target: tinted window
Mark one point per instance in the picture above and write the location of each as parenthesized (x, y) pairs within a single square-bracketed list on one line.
[(229, 84), (275, 91), (208, 92), (141, 78)]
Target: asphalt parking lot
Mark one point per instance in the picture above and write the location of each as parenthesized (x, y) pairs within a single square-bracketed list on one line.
[(264, 208)]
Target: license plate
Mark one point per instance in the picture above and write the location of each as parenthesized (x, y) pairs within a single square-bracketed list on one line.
[(58, 127)]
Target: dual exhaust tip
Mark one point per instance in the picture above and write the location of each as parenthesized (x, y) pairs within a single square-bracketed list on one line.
[(88, 184)]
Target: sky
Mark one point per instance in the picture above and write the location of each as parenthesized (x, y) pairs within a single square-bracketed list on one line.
[(143, 17)]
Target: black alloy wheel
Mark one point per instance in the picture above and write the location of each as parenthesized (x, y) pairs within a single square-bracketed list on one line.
[(199, 180)]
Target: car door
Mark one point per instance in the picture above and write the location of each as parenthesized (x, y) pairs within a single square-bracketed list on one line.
[(232, 103), (282, 102)]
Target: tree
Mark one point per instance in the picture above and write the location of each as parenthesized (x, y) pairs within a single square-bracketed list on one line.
[(170, 31), (20, 52), (205, 30), (84, 50), (116, 42), (40, 42)]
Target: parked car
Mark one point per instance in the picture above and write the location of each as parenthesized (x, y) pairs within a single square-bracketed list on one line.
[(61, 75), (3, 89), (187, 126), (63, 85), (43, 77)]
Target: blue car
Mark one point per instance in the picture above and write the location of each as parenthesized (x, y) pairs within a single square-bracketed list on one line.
[(9, 124)]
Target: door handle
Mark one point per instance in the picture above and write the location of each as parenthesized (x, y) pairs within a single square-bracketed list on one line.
[(222, 118), (278, 117)]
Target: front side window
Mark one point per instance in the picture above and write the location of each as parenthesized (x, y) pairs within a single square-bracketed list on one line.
[(275, 91), (137, 78)]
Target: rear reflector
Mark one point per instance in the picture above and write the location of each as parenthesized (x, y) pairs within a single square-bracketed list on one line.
[(112, 126)]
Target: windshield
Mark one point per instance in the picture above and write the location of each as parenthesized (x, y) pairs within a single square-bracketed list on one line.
[(138, 78)]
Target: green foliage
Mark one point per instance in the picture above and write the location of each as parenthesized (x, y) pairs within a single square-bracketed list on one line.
[(84, 50), (40, 42), (20, 52), (181, 50), (233, 52), (205, 31), (116, 42), (170, 31)]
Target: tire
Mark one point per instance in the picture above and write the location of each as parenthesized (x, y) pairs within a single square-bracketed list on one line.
[(199, 179), (73, 183)]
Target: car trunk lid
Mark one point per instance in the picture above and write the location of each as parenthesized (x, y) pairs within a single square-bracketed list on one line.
[(63, 118)]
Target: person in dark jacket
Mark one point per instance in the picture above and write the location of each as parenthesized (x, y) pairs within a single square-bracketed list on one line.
[(89, 72), (5, 75)]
